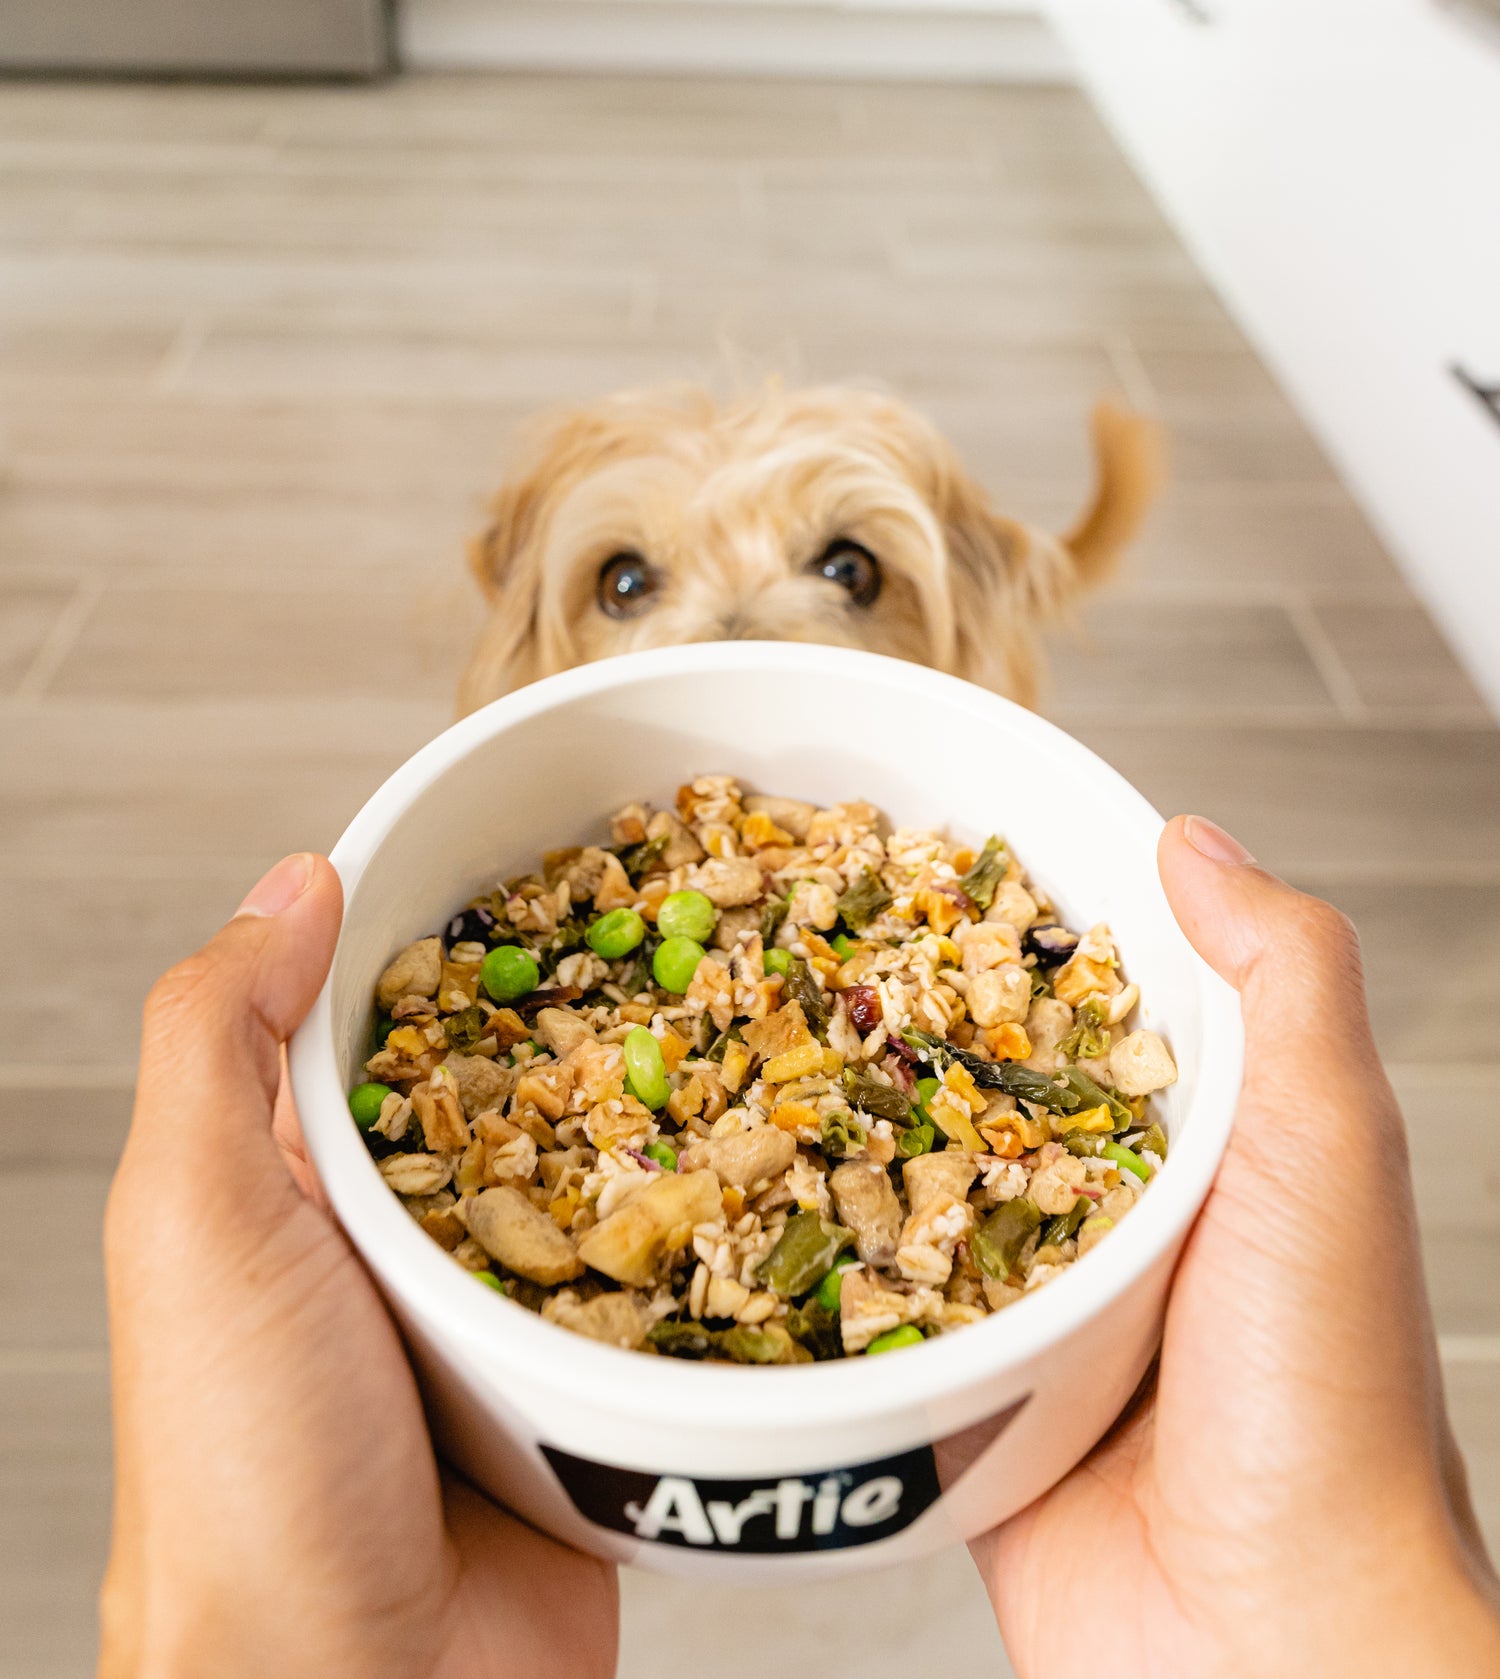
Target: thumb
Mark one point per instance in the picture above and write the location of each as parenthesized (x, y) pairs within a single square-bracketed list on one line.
[(1293, 958), (215, 1024)]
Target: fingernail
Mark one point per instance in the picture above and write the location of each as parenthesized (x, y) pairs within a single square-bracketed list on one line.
[(1210, 839), (280, 888)]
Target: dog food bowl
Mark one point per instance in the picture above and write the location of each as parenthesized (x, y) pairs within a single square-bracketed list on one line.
[(714, 1470)]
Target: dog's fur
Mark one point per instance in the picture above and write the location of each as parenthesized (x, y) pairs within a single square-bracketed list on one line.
[(730, 504)]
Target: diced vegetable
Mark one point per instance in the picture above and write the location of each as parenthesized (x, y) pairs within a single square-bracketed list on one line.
[(1065, 1224), (1154, 1139), (903, 1335), (881, 1101), (863, 901), (640, 860), (758, 1344), (1090, 1035), (916, 1140), (775, 961), (801, 987), (842, 1134), (509, 972), (772, 917), (365, 1103), (490, 1280), (662, 1153), (645, 1070), (815, 1326), (806, 1248), (1127, 1159), (615, 934), (981, 883), (996, 1245), (831, 1287), (1090, 1095), (843, 946), (675, 963), (1086, 1119), (687, 915), (682, 1340)]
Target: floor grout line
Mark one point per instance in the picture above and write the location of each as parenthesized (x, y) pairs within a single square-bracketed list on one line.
[(43, 1075), (187, 341), (1130, 370), (56, 644), (1325, 657)]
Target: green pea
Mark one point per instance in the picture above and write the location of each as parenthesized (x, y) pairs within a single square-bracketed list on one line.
[(365, 1102), (926, 1090), (904, 1335), (490, 1280), (830, 1290), (616, 934), (384, 1026), (777, 962), (844, 945), (686, 915), (509, 972), (645, 1070), (675, 963), (662, 1153)]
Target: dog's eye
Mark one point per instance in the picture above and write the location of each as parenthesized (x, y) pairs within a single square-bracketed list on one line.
[(627, 585), (854, 569)]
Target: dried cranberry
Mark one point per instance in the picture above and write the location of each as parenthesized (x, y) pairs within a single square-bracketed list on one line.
[(863, 1005), (899, 1046), (471, 926)]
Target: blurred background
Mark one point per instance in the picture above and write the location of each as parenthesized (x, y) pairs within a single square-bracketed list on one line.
[(275, 284)]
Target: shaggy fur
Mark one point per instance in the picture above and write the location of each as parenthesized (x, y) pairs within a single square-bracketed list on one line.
[(729, 505)]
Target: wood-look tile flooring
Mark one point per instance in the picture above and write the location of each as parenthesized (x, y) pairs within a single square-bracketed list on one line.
[(259, 351)]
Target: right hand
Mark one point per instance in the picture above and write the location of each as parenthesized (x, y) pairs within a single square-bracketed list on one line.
[(1289, 1501)]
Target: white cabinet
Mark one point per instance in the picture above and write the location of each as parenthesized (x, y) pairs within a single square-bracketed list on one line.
[(1335, 167)]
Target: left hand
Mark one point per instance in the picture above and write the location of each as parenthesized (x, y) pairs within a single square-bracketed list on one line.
[(279, 1508)]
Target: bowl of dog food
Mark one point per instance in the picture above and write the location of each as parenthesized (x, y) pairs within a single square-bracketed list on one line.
[(771, 1091)]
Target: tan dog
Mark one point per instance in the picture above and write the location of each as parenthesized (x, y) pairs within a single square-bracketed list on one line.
[(833, 515)]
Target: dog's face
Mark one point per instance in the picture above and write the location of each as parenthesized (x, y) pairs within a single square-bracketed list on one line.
[(833, 516)]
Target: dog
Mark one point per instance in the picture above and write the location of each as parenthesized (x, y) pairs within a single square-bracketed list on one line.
[(832, 515)]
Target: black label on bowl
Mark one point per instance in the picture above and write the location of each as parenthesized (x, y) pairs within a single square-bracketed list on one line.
[(830, 1509)]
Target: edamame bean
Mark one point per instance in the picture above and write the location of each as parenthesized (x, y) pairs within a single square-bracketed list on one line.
[(490, 1280), (675, 963), (365, 1102), (509, 972), (831, 1289), (904, 1335), (616, 934), (662, 1153), (686, 915), (926, 1090), (777, 962), (645, 1071), (843, 945)]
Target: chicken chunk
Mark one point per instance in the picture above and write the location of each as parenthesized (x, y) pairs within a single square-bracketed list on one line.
[(415, 972), (728, 881), (482, 1084), (616, 1319), (1141, 1063), (746, 1157), (999, 995), (682, 846), (522, 1237), (932, 1175), (867, 1205), (1047, 1024)]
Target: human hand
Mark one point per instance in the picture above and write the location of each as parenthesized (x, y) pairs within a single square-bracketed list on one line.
[(278, 1507), (1289, 1500)]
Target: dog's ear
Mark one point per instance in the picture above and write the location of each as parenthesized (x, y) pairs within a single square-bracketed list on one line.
[(506, 560), (1009, 578)]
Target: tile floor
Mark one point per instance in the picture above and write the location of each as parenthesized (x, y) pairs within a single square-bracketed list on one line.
[(259, 349)]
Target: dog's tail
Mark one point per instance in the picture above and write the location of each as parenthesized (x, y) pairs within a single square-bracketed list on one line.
[(1130, 452)]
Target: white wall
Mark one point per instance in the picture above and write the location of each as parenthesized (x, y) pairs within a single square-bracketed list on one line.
[(969, 40), (1335, 167)]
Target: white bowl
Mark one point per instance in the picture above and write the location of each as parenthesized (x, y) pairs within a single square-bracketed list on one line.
[(712, 1469)]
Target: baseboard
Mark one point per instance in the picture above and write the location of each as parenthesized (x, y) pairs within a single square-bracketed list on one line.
[(959, 40)]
